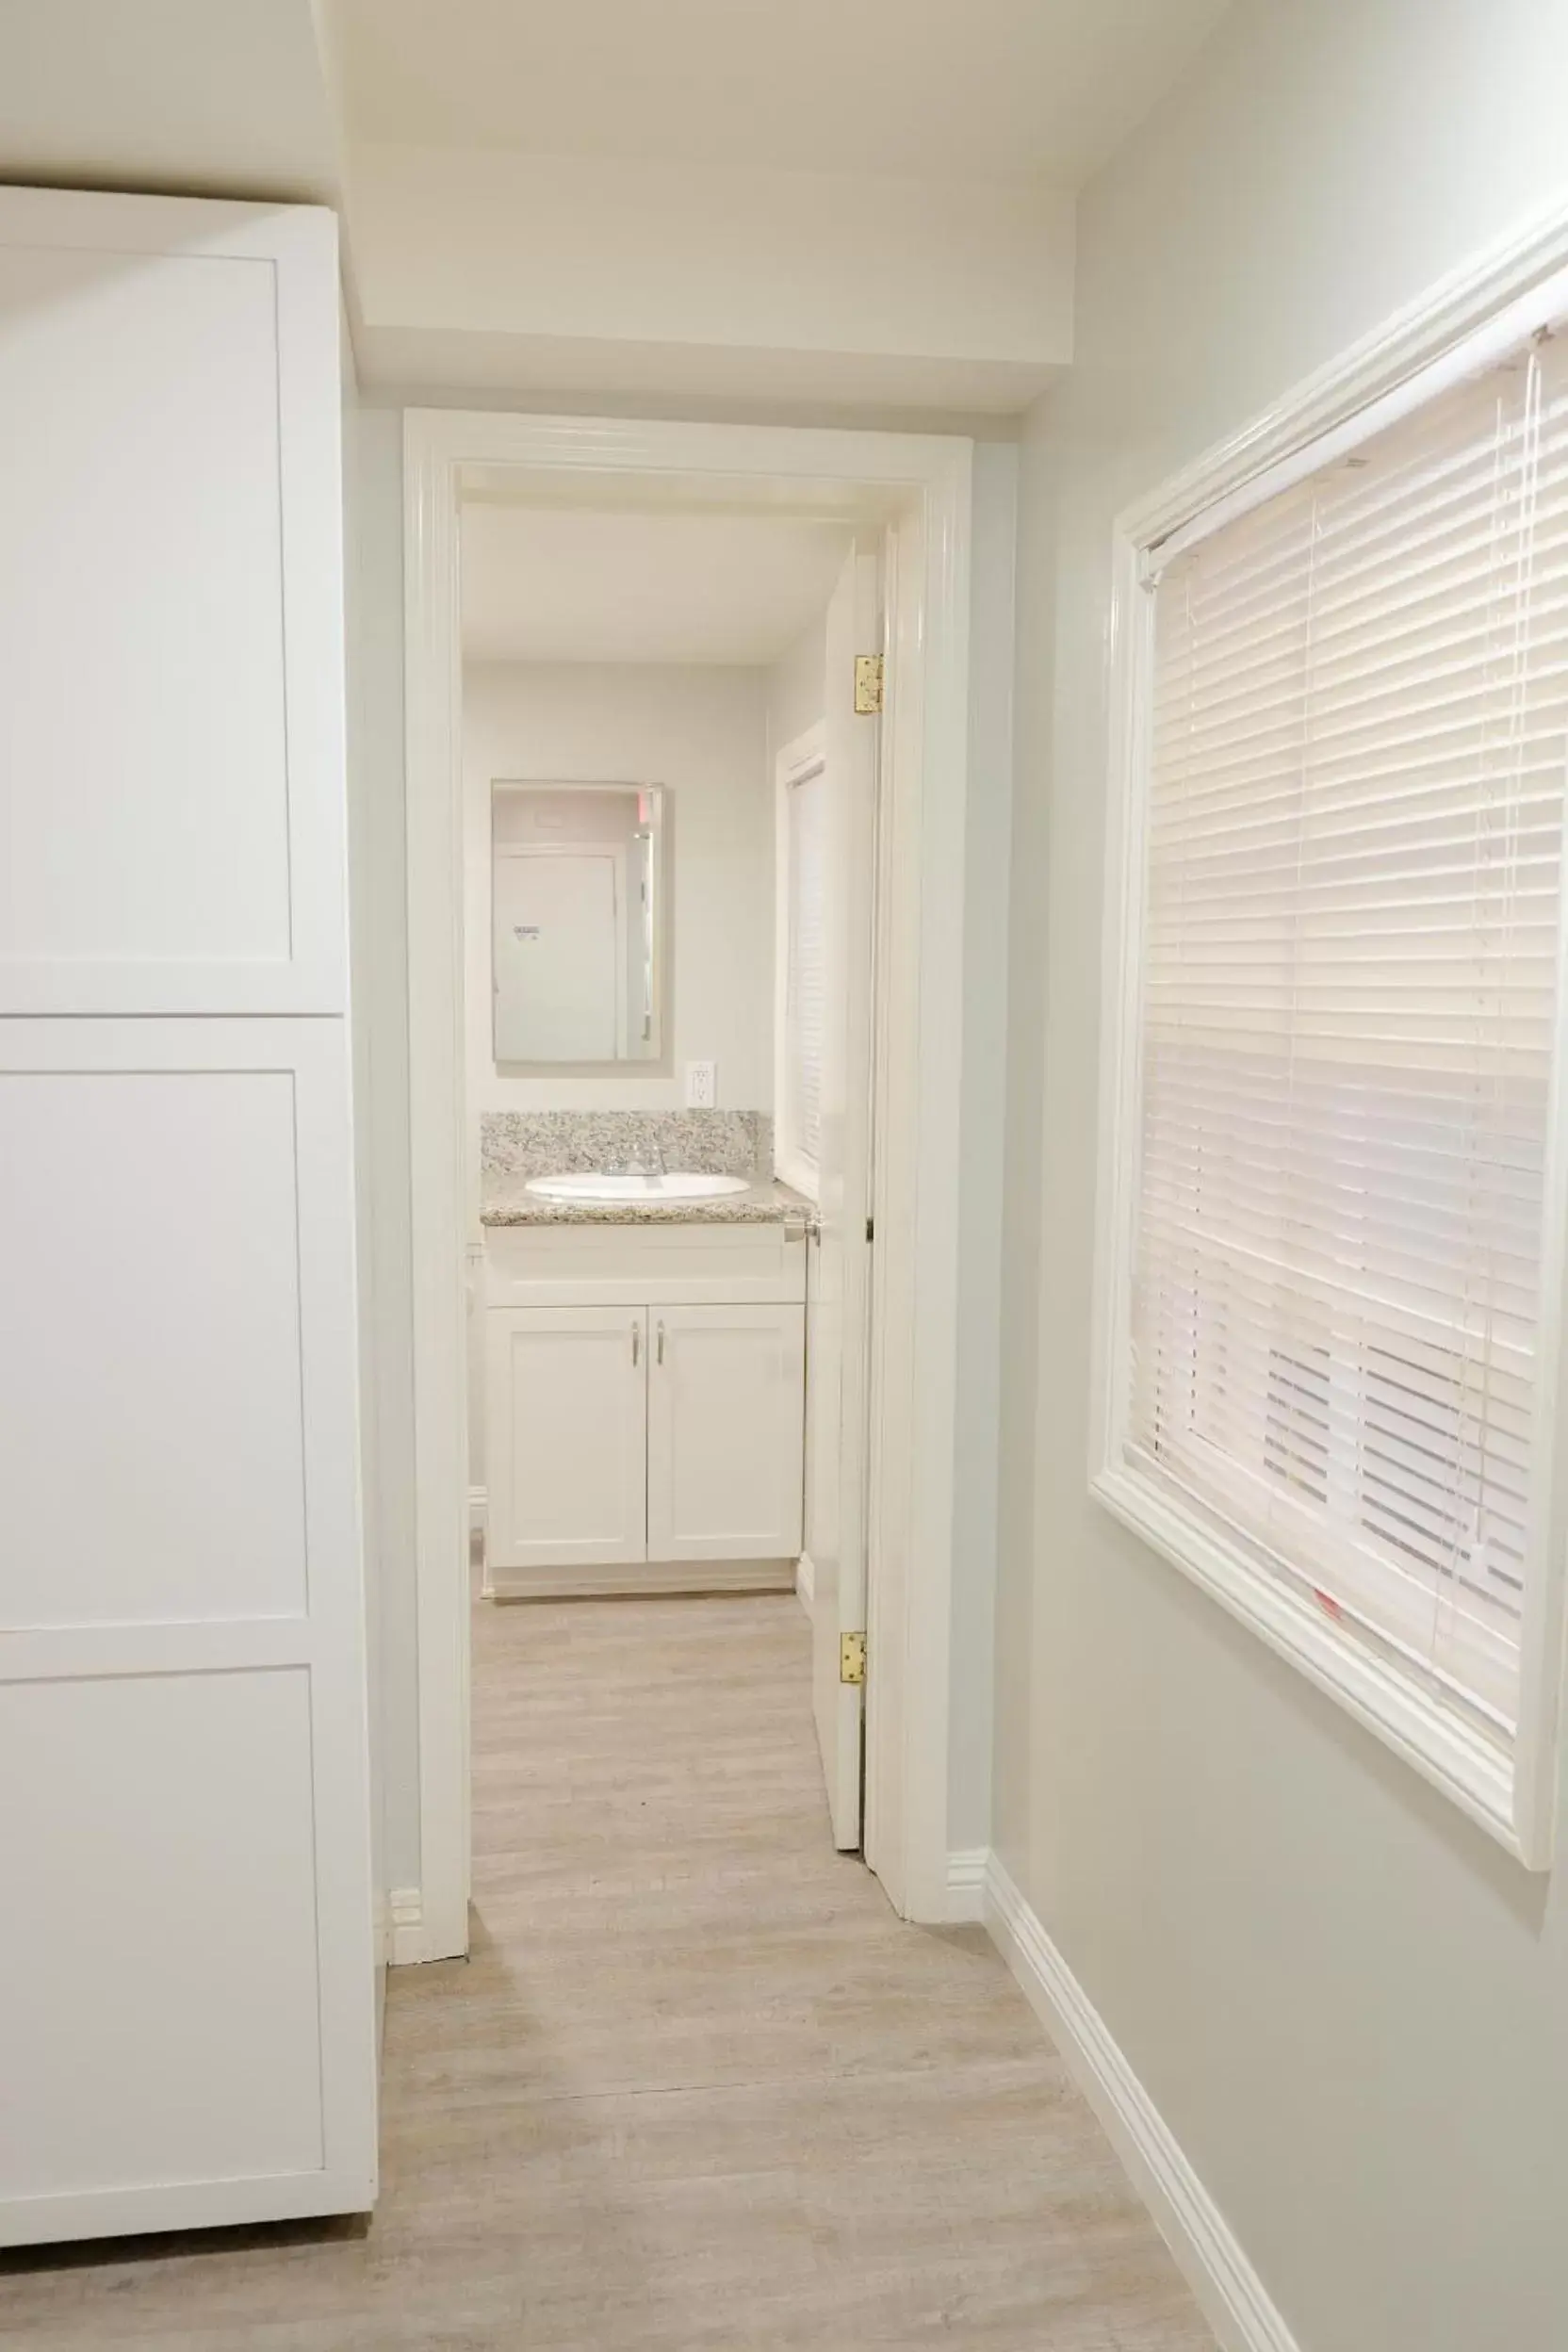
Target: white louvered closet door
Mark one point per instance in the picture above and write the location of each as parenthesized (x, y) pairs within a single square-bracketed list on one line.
[(186, 1975), (1349, 1012)]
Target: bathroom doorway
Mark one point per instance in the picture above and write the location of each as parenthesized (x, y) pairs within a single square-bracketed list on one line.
[(644, 1415)]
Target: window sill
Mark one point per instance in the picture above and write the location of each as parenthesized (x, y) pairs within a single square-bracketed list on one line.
[(1479, 1778)]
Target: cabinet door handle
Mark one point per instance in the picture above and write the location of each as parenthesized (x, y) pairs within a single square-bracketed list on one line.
[(636, 1343), (661, 1339)]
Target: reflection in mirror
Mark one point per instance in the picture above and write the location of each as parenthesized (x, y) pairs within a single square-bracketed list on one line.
[(577, 894)]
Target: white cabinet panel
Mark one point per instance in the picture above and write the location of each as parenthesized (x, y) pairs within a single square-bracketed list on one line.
[(170, 607), (186, 1997), (151, 1411), (157, 1974), (725, 1433), (566, 1436)]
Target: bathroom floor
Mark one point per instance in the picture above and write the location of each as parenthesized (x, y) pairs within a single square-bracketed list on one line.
[(697, 2088)]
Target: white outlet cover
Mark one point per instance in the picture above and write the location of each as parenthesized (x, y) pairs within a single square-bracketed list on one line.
[(702, 1086)]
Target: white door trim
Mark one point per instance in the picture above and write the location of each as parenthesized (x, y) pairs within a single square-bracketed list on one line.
[(796, 763), (919, 488)]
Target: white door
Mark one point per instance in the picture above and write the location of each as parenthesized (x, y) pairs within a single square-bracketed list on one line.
[(565, 1438), (838, 1292), (726, 1396), (559, 956), (186, 1976)]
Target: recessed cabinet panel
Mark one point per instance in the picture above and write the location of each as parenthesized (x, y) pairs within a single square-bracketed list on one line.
[(725, 1433), (159, 1973), (150, 1399), (567, 1439), (186, 2000), (171, 727)]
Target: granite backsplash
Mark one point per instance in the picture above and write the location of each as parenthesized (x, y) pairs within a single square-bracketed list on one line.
[(561, 1143)]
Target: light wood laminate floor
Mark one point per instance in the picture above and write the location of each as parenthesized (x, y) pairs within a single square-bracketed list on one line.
[(698, 2089)]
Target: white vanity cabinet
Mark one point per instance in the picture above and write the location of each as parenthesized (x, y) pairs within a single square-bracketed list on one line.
[(644, 1408)]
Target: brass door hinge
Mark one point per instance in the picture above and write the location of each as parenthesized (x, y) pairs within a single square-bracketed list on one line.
[(851, 1657), (868, 685)]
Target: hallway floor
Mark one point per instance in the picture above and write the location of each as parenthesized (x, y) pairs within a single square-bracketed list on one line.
[(698, 2089)]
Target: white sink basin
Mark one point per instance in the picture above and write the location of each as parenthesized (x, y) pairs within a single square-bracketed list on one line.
[(674, 1188)]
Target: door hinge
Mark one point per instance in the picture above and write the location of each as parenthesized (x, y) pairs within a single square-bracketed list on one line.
[(851, 1657), (871, 1229), (868, 685)]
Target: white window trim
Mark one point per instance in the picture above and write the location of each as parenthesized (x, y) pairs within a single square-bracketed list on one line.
[(1476, 313), (806, 756)]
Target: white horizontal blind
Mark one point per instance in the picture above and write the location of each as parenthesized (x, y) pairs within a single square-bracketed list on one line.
[(805, 983), (1348, 1015)]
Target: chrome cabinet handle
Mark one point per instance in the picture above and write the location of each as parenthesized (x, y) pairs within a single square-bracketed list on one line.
[(636, 1343), (661, 1339)]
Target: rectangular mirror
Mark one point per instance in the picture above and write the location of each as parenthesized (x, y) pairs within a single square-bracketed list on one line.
[(577, 899)]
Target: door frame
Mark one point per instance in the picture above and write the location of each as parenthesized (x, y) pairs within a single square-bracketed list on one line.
[(917, 488), (796, 763)]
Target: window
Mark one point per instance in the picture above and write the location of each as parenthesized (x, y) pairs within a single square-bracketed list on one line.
[(1332, 1253), (802, 974)]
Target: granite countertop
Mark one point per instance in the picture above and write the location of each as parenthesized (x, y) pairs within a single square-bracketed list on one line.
[(505, 1199)]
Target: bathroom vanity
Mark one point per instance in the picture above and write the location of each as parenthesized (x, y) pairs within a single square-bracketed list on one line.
[(644, 1390)]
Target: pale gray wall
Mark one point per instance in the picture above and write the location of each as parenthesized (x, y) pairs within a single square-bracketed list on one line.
[(373, 460), (1349, 2005)]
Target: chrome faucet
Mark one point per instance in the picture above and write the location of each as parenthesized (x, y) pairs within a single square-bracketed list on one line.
[(649, 1163), (639, 1165)]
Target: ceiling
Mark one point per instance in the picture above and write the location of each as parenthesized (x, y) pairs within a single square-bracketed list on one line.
[(222, 97), (936, 89), (560, 584)]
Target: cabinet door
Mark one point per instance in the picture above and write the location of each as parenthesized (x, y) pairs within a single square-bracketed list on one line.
[(170, 607), (566, 1436), (186, 1997), (725, 1426)]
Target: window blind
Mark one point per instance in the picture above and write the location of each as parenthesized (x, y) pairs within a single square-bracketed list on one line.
[(1348, 1022), (805, 966)]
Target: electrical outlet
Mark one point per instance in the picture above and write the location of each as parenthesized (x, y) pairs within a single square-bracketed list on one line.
[(702, 1086)]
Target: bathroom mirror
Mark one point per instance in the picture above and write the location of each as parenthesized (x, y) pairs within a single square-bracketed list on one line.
[(577, 904)]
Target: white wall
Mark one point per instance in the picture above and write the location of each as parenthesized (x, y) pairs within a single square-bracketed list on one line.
[(1350, 2008), (716, 281), (700, 733), (796, 693)]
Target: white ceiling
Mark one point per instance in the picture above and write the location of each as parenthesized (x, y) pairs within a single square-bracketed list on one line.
[(937, 89), (562, 584)]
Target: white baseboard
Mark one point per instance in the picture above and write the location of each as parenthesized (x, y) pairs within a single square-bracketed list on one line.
[(966, 1885), (642, 1581), (407, 1941), (1231, 2294), (806, 1581)]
